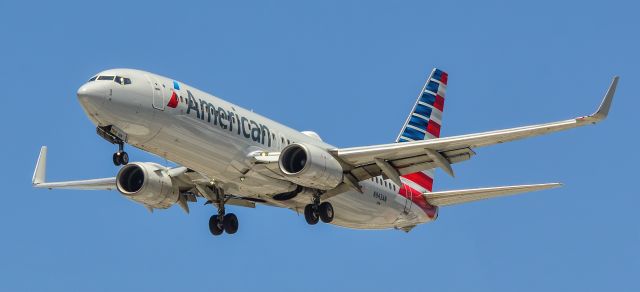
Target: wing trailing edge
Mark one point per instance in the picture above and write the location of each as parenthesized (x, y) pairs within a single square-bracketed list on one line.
[(454, 197)]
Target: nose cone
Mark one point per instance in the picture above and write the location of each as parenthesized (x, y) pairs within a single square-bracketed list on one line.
[(92, 96), (91, 91)]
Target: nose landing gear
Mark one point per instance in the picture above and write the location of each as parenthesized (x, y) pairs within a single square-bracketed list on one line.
[(115, 136), (120, 157)]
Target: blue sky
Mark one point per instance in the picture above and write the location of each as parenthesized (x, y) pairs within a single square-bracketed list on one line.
[(349, 70)]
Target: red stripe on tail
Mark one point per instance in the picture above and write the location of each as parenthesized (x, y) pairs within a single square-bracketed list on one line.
[(433, 128), (444, 77), (421, 179), (439, 102), (418, 199)]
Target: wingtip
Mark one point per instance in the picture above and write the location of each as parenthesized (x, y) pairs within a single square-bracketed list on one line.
[(556, 185), (605, 105), (41, 166)]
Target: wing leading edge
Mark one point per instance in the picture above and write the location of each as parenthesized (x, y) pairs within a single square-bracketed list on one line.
[(417, 155)]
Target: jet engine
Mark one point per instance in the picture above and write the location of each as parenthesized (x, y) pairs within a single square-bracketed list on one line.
[(147, 183), (310, 166)]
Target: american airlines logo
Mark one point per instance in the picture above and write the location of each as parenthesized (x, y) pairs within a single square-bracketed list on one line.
[(226, 119), (173, 101)]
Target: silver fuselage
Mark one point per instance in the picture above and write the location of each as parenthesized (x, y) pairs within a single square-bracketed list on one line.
[(214, 137)]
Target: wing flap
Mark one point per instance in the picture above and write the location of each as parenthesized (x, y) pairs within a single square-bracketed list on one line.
[(412, 164), (446, 198)]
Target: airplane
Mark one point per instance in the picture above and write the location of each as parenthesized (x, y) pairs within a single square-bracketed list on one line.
[(230, 156)]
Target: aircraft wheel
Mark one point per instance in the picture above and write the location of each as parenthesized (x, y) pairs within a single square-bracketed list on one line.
[(230, 223), (124, 158), (116, 159), (326, 212), (310, 215), (214, 227)]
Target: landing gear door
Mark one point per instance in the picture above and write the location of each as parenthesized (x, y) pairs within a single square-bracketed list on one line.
[(158, 93)]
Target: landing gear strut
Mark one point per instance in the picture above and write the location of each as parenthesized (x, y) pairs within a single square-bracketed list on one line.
[(221, 221), (318, 211), (120, 157), (115, 136)]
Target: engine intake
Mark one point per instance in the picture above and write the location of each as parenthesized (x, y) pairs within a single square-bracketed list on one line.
[(310, 166), (147, 183)]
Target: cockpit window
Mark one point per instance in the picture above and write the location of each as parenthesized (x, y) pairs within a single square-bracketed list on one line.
[(106, 77), (93, 78), (122, 80)]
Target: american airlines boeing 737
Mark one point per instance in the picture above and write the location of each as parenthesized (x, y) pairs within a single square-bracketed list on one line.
[(230, 156)]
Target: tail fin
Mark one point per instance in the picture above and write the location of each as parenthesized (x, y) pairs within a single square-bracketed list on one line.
[(425, 119), (424, 122)]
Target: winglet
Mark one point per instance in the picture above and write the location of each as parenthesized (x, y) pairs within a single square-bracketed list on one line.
[(41, 167), (603, 110)]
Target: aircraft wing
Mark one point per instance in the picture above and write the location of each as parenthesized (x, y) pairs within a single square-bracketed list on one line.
[(38, 181), (446, 198), (397, 159), (191, 182)]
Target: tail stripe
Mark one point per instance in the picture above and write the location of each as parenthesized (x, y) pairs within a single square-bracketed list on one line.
[(418, 122), (423, 110), (439, 103), (413, 134), (433, 128), (428, 98), (440, 76), (433, 86), (421, 179)]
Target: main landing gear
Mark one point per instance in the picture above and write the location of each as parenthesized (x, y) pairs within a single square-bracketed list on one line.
[(120, 157), (222, 222), (318, 211)]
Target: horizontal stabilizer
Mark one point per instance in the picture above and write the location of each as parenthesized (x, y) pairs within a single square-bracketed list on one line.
[(446, 198)]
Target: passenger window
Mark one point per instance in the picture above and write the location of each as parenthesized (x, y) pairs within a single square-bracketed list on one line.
[(93, 78), (106, 77)]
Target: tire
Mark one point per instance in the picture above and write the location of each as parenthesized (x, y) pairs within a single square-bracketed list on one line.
[(124, 158), (326, 212), (310, 215), (230, 223), (116, 159), (213, 226)]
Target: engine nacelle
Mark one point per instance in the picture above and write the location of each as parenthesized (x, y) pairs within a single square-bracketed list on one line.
[(310, 166), (147, 183)]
